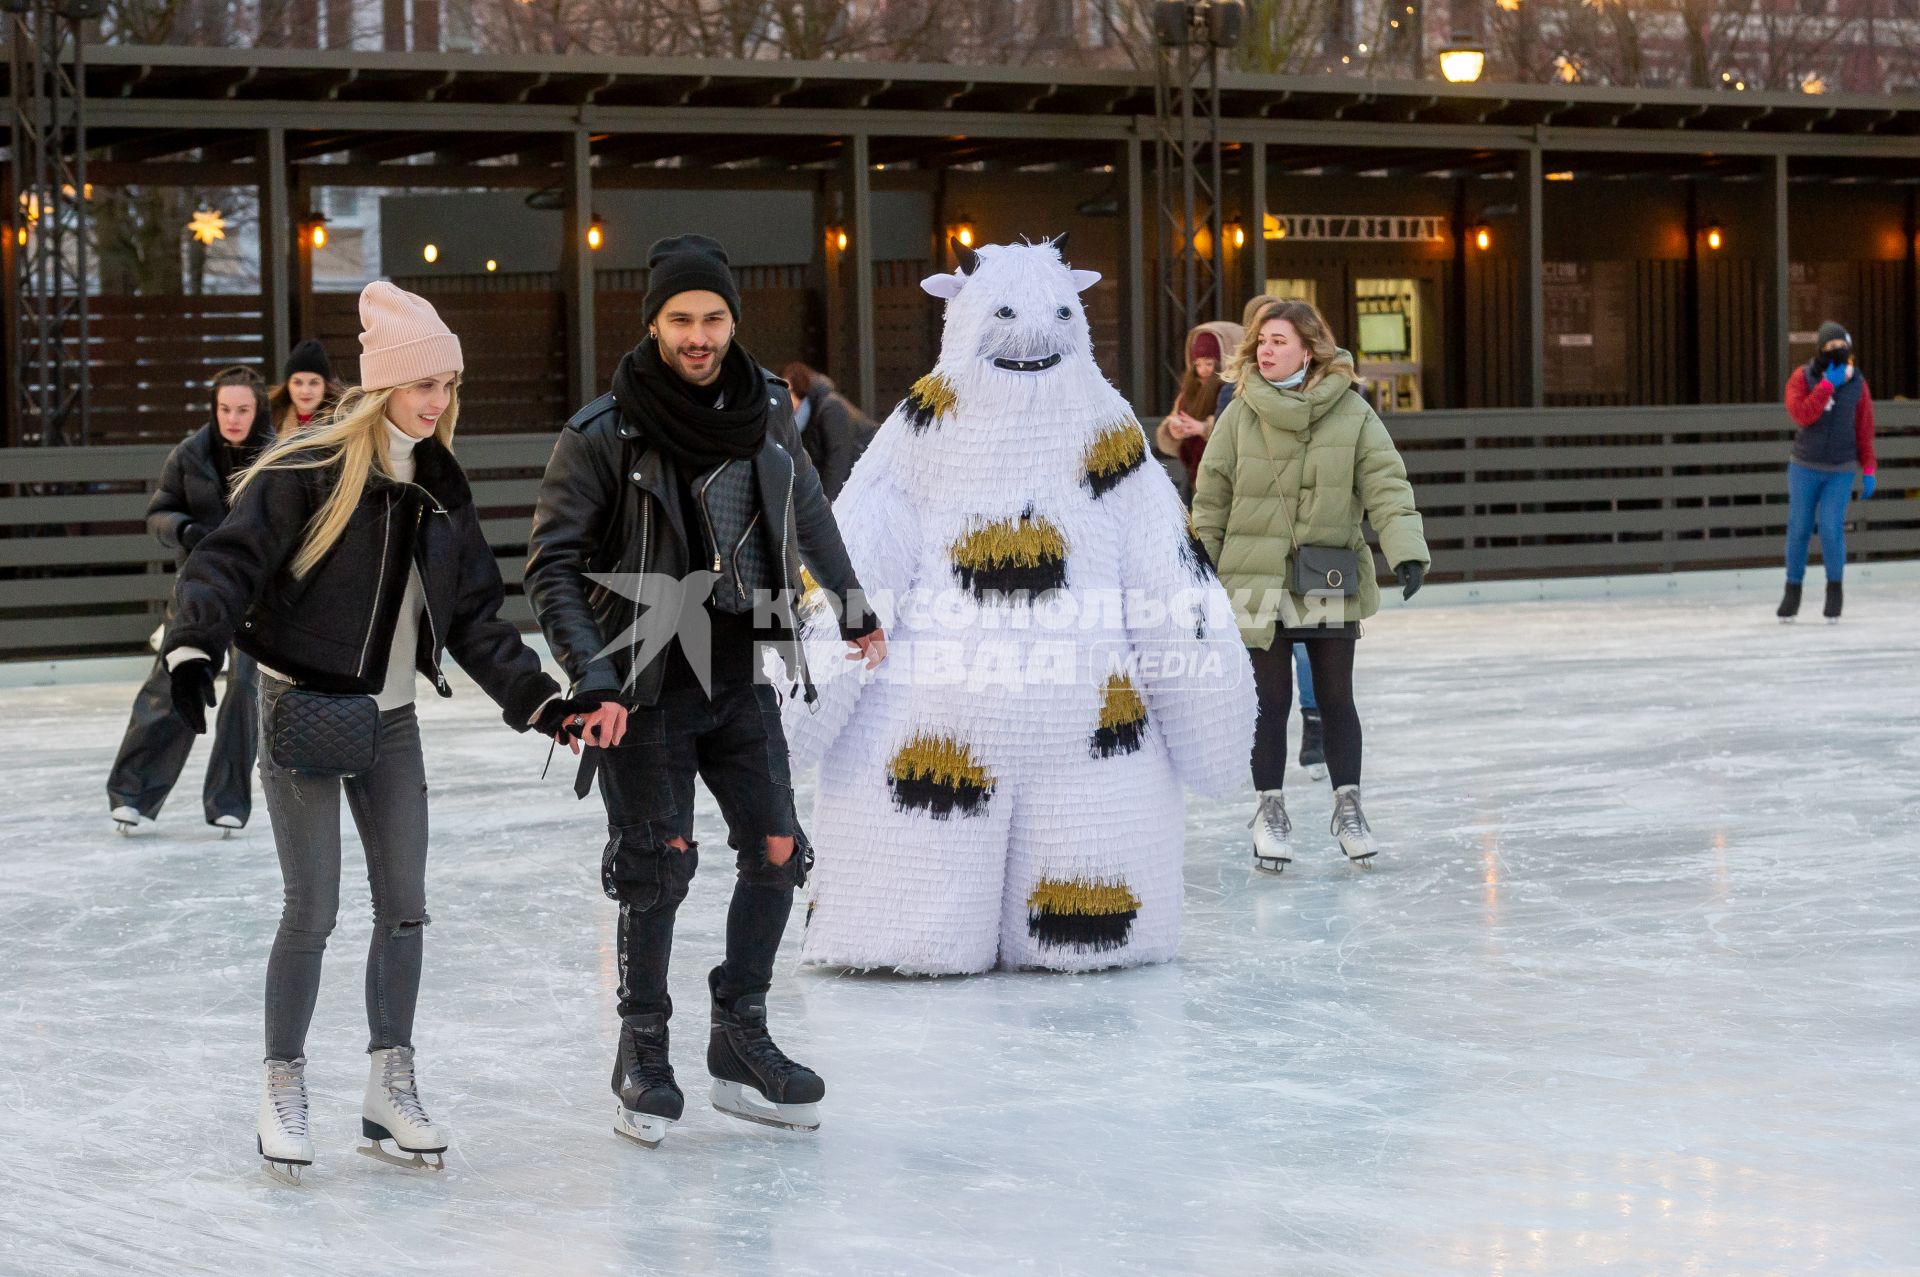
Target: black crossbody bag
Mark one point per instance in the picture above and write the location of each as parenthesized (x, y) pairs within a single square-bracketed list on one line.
[(324, 733), (1317, 569)]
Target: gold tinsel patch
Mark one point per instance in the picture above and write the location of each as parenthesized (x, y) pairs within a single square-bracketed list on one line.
[(939, 759), (1116, 450), (1122, 705), (1060, 897), (1024, 542), (931, 398)]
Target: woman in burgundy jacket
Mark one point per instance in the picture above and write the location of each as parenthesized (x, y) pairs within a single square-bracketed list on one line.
[(1832, 414)]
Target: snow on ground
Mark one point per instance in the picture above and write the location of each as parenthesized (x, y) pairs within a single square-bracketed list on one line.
[(1634, 988)]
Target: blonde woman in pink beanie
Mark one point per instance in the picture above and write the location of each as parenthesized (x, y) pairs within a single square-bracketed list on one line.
[(353, 561)]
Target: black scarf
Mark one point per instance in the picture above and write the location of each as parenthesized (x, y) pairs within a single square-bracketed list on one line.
[(230, 459), (681, 420)]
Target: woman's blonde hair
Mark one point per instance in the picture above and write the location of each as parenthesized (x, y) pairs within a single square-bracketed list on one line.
[(1324, 354), (354, 438)]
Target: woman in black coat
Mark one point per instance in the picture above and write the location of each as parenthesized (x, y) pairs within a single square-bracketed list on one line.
[(353, 560), (191, 502)]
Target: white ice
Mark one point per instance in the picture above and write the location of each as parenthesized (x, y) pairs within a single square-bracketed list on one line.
[(1634, 988)]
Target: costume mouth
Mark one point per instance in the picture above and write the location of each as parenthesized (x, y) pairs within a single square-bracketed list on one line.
[(1027, 365)]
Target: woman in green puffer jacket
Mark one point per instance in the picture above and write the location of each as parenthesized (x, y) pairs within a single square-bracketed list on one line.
[(1297, 460)]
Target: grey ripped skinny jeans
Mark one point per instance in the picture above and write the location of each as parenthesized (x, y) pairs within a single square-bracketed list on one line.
[(389, 806)]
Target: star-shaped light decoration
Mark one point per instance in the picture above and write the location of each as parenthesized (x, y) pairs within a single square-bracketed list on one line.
[(207, 226)]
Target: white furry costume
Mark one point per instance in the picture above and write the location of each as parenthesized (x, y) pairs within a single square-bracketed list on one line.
[(1007, 786)]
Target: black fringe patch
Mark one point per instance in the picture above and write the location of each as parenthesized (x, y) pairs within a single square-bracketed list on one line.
[(1122, 738), (1195, 556), (1097, 931), (938, 799), (1113, 456), (929, 398), (1009, 578)]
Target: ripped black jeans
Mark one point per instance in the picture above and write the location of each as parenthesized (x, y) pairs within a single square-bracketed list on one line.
[(733, 743), (389, 805)]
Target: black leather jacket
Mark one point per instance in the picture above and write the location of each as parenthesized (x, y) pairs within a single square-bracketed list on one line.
[(331, 629), (608, 505)]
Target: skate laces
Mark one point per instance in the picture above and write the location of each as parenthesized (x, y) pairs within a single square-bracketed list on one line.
[(396, 1079), (1271, 817), (653, 1063), (758, 1046), (287, 1092), (1347, 816)]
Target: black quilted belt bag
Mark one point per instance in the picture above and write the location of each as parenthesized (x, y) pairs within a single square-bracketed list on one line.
[(324, 733)]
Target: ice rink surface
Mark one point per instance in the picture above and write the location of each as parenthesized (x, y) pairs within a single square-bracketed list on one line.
[(1635, 988)]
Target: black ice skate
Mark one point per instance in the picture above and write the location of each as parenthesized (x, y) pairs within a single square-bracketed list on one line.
[(744, 1060), (1313, 744), (1789, 602), (1832, 609), (650, 1099)]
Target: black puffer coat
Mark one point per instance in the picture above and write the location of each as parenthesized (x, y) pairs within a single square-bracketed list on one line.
[(331, 630), (191, 500)]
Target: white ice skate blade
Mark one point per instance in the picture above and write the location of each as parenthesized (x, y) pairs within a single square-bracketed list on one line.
[(287, 1173), (405, 1159), (1316, 771), (1271, 864), (647, 1129), (749, 1105)]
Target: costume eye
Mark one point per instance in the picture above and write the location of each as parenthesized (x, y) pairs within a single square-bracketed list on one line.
[(1005, 312), (1064, 313)]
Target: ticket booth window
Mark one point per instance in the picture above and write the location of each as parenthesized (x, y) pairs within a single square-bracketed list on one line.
[(1388, 342)]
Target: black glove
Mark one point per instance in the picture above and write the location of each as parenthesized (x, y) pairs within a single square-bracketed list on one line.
[(193, 692), (192, 534), (1412, 575), (556, 715)]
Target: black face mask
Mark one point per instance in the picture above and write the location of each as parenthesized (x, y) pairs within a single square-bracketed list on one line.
[(1837, 357)]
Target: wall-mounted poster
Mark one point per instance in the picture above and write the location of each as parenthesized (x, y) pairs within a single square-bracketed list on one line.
[(1586, 317)]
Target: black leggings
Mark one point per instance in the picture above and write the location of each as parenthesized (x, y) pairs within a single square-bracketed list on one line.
[(1332, 661)]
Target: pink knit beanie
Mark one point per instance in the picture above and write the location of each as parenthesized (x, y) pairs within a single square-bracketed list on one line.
[(402, 339)]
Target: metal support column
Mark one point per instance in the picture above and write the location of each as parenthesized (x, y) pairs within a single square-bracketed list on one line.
[(1778, 269), (1532, 182), (1253, 215), (859, 189), (576, 270), (276, 250), (47, 220), (1133, 281)]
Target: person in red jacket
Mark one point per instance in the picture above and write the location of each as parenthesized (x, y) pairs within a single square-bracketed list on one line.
[(1832, 414)]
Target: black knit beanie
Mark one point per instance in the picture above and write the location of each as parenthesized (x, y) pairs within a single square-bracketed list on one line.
[(684, 264), (1831, 331), (308, 356)]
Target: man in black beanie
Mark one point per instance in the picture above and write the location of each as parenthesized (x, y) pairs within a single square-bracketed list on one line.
[(690, 472)]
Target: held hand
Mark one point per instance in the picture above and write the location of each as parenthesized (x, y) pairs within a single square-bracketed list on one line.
[(1412, 575), (1866, 487), (871, 648), (193, 692), (605, 727), (192, 534)]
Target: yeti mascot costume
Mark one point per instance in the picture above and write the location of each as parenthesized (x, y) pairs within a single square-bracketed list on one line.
[(1007, 786)]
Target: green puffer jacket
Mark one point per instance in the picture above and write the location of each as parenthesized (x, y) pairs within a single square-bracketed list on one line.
[(1332, 462)]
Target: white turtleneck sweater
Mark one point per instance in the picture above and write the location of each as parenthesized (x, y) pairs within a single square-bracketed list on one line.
[(398, 689)]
